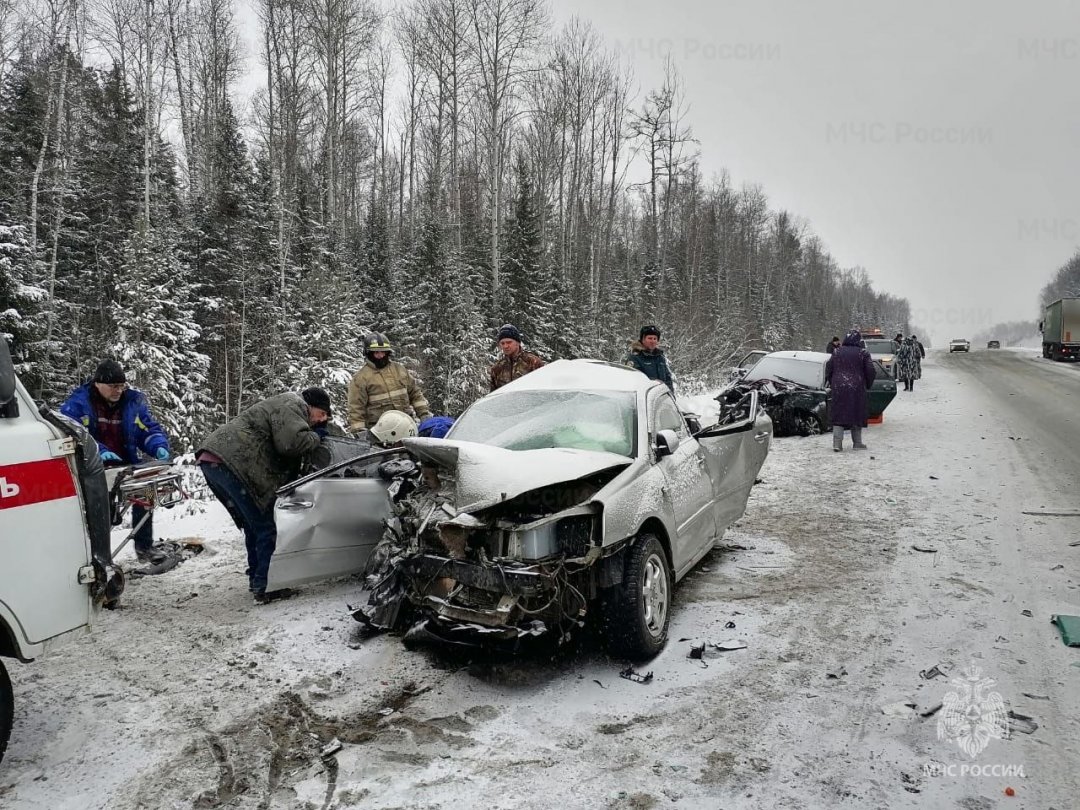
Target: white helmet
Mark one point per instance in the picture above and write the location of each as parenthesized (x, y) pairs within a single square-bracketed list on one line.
[(392, 427)]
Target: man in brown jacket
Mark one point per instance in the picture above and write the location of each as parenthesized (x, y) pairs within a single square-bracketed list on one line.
[(515, 362), (383, 385)]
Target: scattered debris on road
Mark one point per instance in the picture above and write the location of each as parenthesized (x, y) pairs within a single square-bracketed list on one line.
[(934, 672), (331, 748), (1022, 723), (630, 675), (729, 646)]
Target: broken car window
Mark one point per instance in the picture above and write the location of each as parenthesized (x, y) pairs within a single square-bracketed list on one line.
[(530, 420)]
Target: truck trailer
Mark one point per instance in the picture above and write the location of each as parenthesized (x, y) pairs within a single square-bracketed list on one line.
[(1060, 329)]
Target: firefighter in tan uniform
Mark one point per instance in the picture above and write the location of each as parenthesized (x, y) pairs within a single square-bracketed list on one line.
[(383, 385)]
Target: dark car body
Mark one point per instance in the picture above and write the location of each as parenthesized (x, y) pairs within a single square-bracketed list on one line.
[(795, 395), (994, 344)]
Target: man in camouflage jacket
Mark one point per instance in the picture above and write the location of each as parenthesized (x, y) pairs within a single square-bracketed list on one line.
[(515, 362)]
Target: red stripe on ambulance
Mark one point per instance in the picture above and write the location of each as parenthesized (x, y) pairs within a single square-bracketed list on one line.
[(35, 482)]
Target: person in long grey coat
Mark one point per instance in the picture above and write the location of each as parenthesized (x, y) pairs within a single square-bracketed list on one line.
[(850, 373)]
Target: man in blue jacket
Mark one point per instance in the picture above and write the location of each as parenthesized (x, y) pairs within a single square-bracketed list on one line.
[(648, 358), (118, 417)]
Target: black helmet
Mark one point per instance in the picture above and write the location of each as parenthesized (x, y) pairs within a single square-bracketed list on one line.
[(377, 342)]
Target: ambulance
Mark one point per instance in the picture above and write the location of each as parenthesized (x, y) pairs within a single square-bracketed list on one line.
[(56, 565)]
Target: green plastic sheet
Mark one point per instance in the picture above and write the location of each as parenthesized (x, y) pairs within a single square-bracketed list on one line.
[(1070, 629)]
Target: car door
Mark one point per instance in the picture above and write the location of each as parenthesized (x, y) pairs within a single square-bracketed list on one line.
[(687, 490), (734, 454), (328, 526)]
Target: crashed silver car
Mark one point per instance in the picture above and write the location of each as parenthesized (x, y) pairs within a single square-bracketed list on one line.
[(577, 488)]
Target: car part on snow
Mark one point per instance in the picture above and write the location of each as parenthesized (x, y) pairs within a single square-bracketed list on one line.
[(934, 672), (630, 675), (1023, 723), (330, 748), (1069, 627), (730, 646)]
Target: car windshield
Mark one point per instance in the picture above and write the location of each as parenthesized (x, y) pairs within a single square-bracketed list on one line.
[(809, 373), (531, 420), (879, 346)]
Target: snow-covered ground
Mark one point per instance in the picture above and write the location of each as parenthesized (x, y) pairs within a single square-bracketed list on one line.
[(849, 574)]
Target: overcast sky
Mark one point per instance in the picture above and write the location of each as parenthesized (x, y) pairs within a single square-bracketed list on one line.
[(933, 143)]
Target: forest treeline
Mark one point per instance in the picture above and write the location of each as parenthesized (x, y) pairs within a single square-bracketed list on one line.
[(430, 173)]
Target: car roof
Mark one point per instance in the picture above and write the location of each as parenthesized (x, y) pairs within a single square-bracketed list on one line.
[(813, 357), (582, 375)]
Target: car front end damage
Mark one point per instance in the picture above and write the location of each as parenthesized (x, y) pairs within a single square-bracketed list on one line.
[(795, 410), (524, 562)]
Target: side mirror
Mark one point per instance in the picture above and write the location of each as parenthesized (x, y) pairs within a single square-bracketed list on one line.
[(667, 442), (7, 374), (1040, 326), (739, 373)]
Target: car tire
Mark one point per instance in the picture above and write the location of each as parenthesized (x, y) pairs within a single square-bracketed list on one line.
[(7, 709), (637, 613)]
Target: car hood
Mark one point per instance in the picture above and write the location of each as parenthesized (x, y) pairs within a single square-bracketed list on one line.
[(487, 475)]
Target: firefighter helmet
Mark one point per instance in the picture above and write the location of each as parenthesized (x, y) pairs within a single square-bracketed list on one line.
[(377, 342), (392, 427)]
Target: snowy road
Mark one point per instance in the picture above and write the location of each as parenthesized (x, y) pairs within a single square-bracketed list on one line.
[(189, 696), (1040, 401)]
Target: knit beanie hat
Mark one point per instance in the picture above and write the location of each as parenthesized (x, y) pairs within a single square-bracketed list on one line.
[(508, 331), (109, 372), (316, 398)]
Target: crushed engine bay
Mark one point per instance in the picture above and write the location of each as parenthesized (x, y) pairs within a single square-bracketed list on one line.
[(524, 562)]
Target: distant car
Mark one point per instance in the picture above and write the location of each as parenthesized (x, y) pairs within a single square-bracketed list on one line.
[(794, 394), (959, 345), (994, 344), (881, 349)]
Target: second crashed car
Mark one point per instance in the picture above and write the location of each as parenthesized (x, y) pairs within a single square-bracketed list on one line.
[(576, 488), (795, 393)]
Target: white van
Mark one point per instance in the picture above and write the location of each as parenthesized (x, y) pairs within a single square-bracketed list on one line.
[(55, 559)]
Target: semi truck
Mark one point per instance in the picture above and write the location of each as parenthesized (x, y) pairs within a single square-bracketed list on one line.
[(1060, 329), (56, 564)]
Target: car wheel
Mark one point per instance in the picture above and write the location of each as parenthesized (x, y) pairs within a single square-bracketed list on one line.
[(637, 613), (7, 709)]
